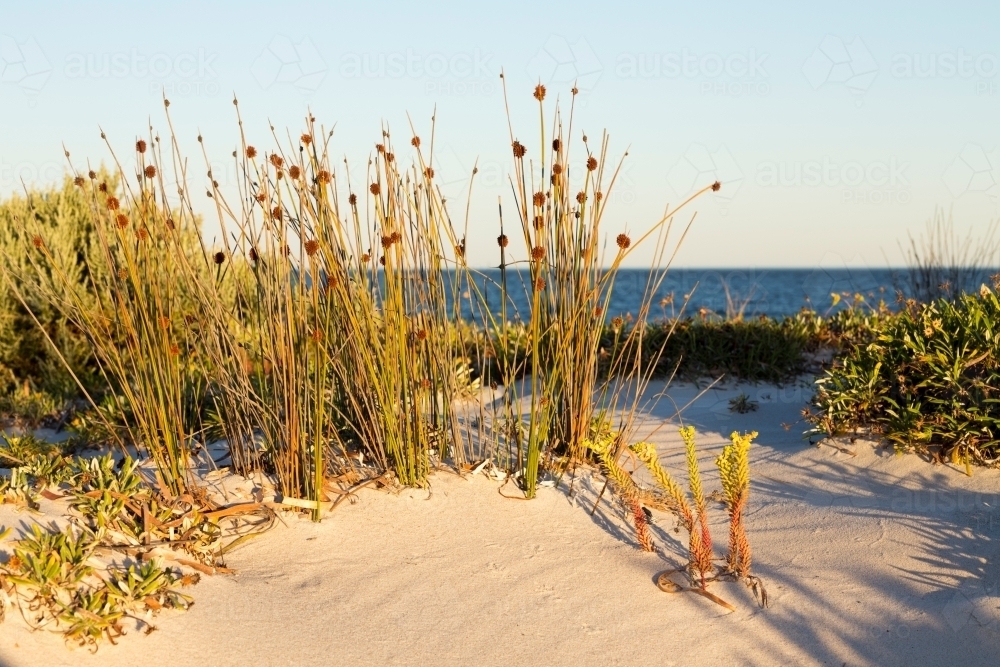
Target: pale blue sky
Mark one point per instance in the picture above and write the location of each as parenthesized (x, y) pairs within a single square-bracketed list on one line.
[(836, 128)]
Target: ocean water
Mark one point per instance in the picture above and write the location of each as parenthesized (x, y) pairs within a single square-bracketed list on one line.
[(771, 292)]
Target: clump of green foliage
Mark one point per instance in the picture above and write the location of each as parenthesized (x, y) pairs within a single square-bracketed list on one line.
[(928, 381)]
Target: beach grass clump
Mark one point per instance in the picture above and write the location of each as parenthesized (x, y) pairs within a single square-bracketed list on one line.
[(562, 190), (926, 382)]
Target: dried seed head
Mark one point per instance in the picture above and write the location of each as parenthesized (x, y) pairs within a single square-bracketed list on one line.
[(150, 172), (366, 258), (415, 141), (103, 187), (122, 274), (219, 257), (261, 197), (374, 188), (502, 241), (140, 146), (591, 163), (121, 220), (170, 223), (174, 351), (113, 203), (556, 145), (164, 322), (380, 148), (251, 152), (316, 336), (539, 222), (381, 260), (306, 139), (78, 181), (389, 157), (312, 246), (422, 334), (142, 233), (276, 213), (574, 90), (616, 323), (537, 253), (623, 241), (386, 242), (598, 196), (352, 199), (716, 186), (581, 197), (276, 160), (556, 168), (598, 311), (539, 284), (279, 174), (519, 150), (539, 92), (323, 176), (37, 241), (253, 255), (92, 174), (429, 172), (425, 383), (331, 281), (538, 199), (294, 172)]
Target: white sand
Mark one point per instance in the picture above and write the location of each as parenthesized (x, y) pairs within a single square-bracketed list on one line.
[(869, 560)]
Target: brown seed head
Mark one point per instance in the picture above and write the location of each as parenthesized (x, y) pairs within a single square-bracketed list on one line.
[(598, 196), (538, 199), (539, 92), (556, 145), (253, 255), (142, 233), (381, 260), (174, 351), (380, 148), (716, 186), (121, 220), (219, 257), (279, 174), (352, 199), (294, 172), (429, 172), (140, 146), (415, 141), (122, 274), (331, 281), (539, 284), (306, 139), (37, 241), (366, 258), (374, 188), (170, 223), (316, 336), (519, 150), (276, 213), (422, 334), (78, 181), (386, 242), (103, 187), (598, 311), (323, 176), (623, 241), (164, 322), (150, 172), (312, 246), (537, 253), (113, 203), (260, 197), (389, 157), (574, 90), (251, 152), (591, 163), (581, 197), (276, 160), (616, 323), (539, 222), (502, 240), (92, 174)]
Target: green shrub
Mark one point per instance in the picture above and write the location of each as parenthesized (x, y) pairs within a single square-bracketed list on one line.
[(928, 380)]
